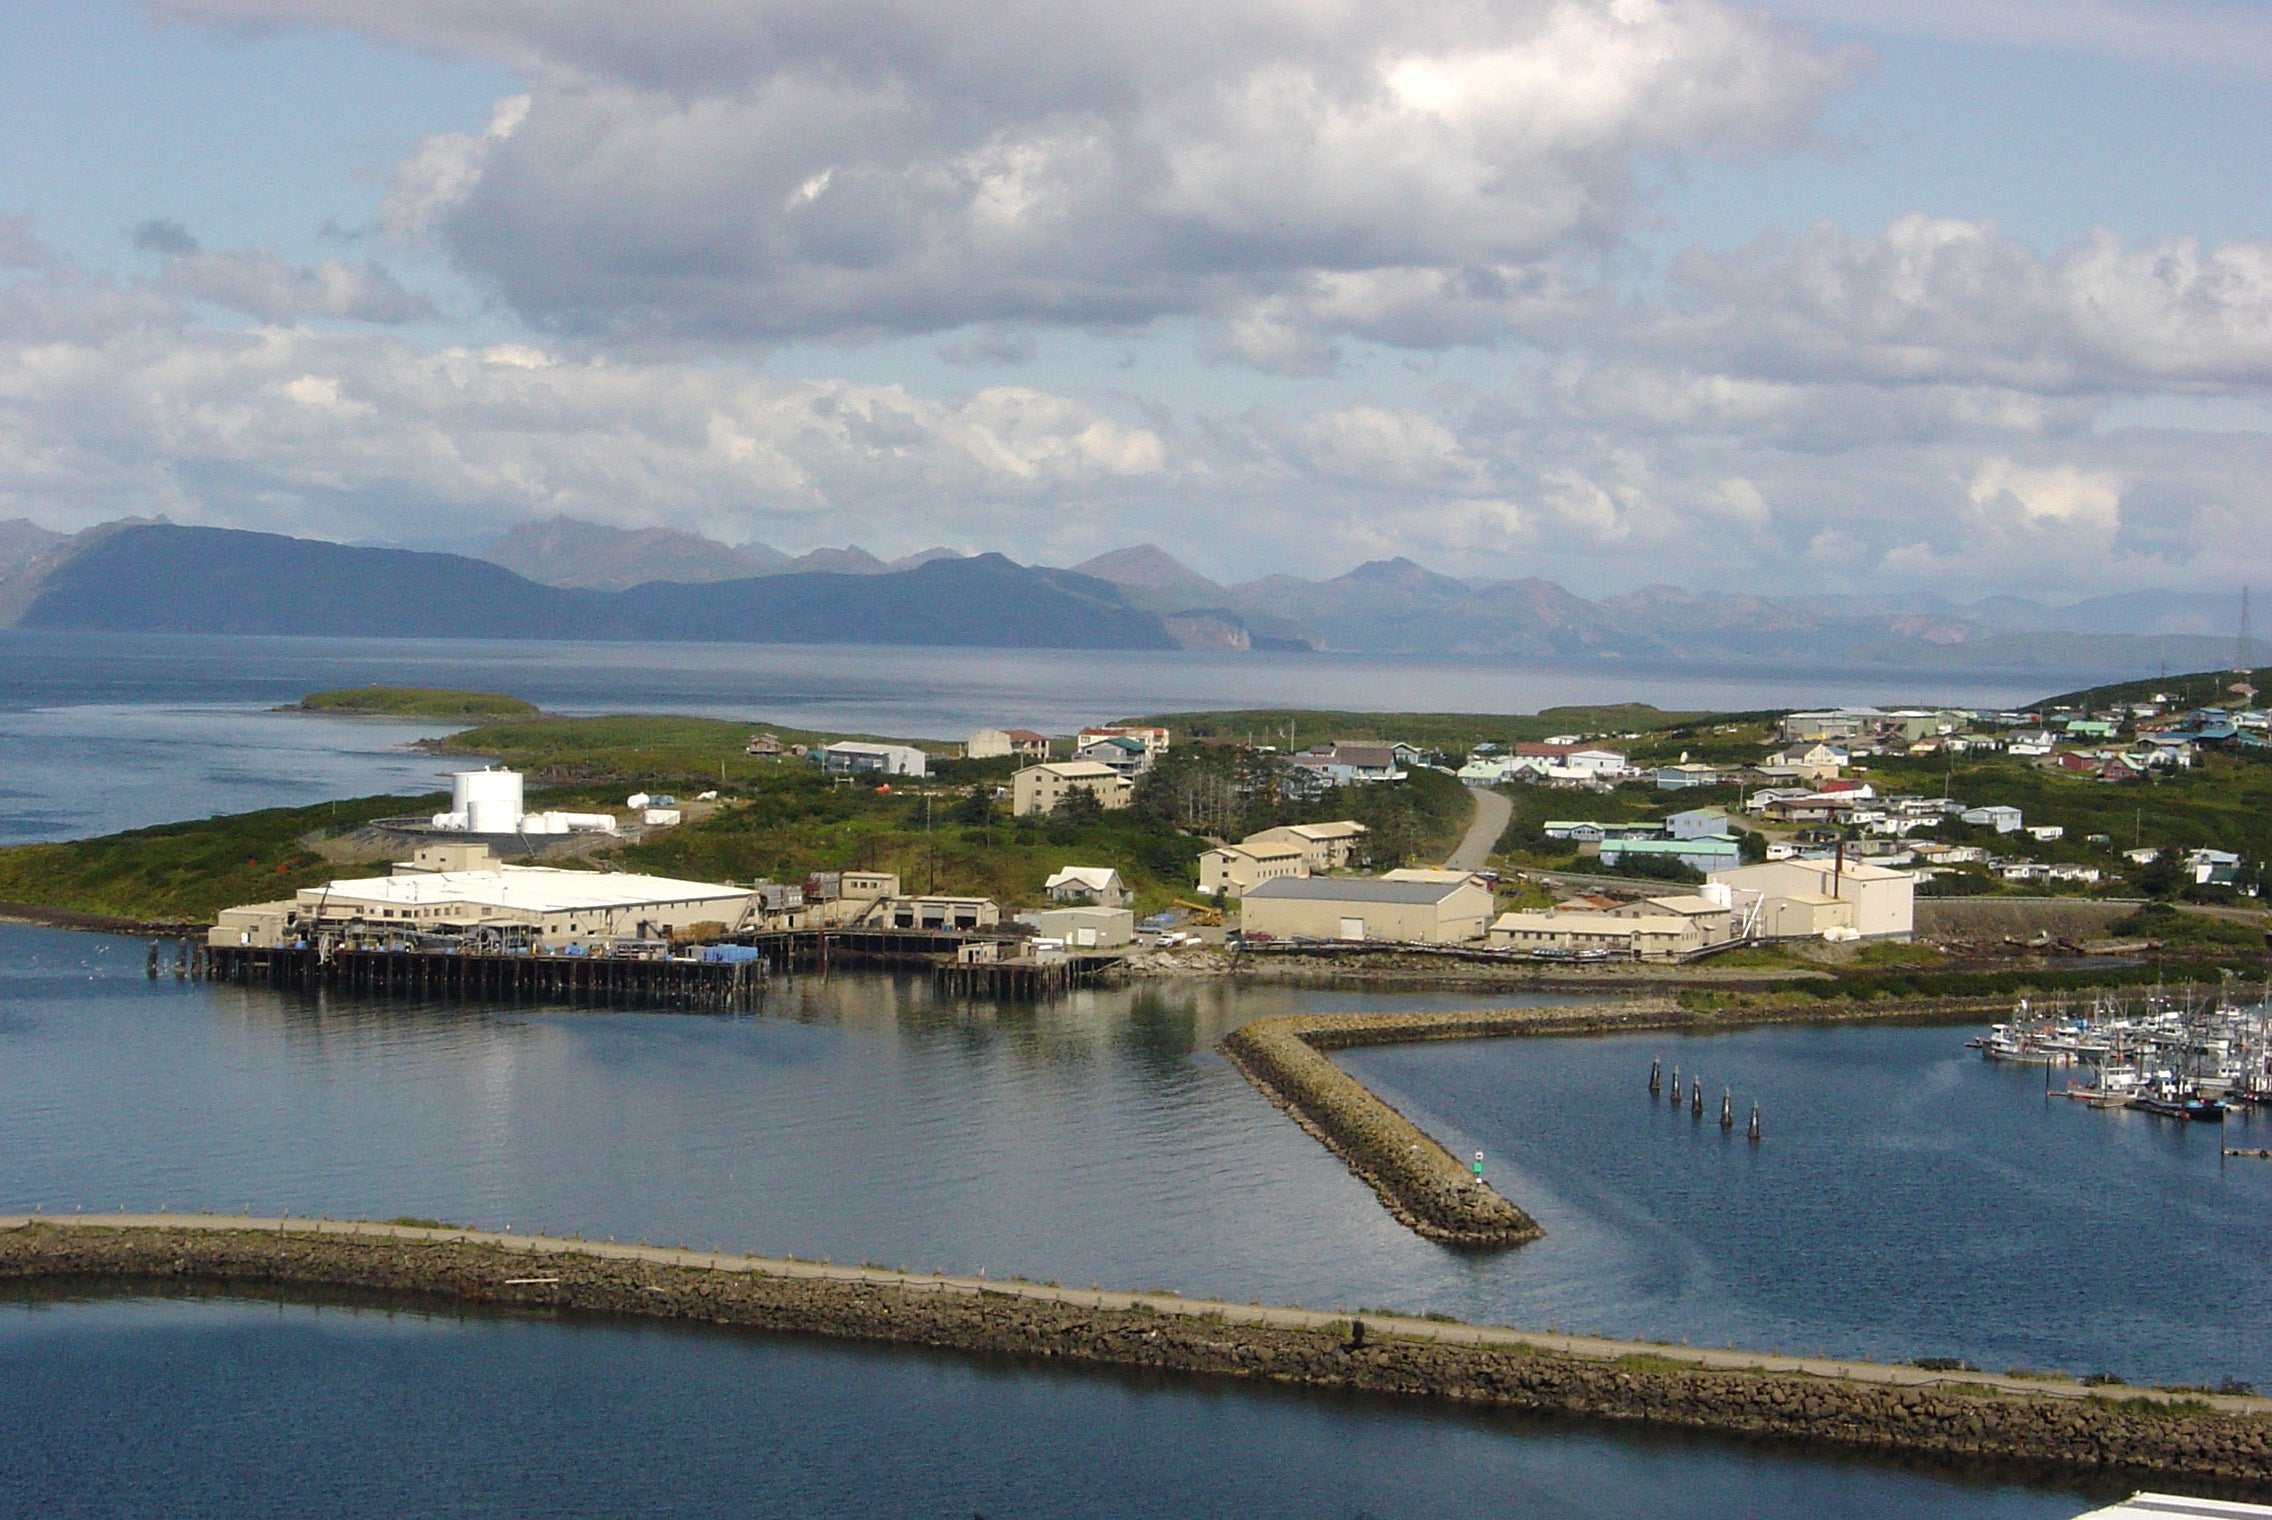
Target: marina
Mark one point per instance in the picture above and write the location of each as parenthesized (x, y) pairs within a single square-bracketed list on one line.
[(2182, 1055)]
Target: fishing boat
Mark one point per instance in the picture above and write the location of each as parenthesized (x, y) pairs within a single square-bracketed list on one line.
[(2174, 1100)]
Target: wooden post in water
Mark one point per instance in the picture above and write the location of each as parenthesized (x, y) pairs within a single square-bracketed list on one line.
[(1656, 1078)]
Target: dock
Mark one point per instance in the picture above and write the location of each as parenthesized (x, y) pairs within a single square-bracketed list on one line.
[(619, 981)]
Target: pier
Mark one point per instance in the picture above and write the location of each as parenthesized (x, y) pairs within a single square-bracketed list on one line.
[(621, 981)]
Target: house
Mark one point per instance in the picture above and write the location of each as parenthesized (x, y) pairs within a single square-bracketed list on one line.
[(2004, 820), (852, 757), (2029, 742), (1882, 900), (2046, 832), (1437, 912), (763, 744), (1487, 770), (1836, 723), (1809, 762), (1044, 788), (1710, 854), (1233, 870), (1092, 884), (1352, 764), (1677, 778), (1006, 743), (1641, 937), (2145, 855), (1698, 823), (1567, 760), (1122, 753), (1154, 740), (2211, 868), (1324, 846)]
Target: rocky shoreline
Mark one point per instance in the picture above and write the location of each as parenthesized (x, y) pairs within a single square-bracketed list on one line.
[(1861, 1408), (1416, 1179)]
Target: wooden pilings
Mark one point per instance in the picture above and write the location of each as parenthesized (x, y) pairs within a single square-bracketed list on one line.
[(442, 974)]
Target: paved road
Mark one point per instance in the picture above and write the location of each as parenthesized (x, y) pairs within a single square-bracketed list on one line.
[(539, 1246), (1492, 810)]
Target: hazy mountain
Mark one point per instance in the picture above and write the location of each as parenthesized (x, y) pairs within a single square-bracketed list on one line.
[(23, 541), (566, 551), (158, 578), (1153, 578)]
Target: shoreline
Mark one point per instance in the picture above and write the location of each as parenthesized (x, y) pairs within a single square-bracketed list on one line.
[(1860, 1407)]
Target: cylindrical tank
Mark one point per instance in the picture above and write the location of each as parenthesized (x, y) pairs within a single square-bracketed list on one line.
[(490, 800)]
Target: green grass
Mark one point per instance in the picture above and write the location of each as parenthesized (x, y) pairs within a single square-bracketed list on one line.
[(2200, 688), (416, 702), (640, 749), (188, 871)]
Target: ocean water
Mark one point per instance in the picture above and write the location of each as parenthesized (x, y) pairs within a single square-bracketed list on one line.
[(231, 1407), (1908, 1199)]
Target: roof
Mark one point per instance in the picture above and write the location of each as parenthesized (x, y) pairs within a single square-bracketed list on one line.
[(1263, 849), (1025, 736), (1356, 889), (862, 747), (1596, 924), (1097, 878), (1076, 770), (1707, 844), (527, 889), (1688, 905), (1340, 829)]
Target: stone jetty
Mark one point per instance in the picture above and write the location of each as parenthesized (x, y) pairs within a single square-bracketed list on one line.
[(1416, 1179), (1856, 1406)]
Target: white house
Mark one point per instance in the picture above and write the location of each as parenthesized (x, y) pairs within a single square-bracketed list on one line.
[(2003, 819), (1094, 884), (853, 757)]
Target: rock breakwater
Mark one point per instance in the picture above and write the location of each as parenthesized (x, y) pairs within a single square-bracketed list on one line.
[(1860, 1407), (1416, 1179)]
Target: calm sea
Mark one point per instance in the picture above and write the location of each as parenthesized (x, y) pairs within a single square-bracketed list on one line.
[(1095, 1139)]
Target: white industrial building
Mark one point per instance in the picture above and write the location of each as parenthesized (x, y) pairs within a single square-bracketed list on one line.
[(462, 891), (1790, 895)]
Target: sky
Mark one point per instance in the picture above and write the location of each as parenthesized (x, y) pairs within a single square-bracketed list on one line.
[(1913, 297)]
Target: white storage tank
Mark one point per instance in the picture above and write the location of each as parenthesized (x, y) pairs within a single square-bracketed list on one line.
[(490, 800)]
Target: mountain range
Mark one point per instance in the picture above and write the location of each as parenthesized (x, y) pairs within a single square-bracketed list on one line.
[(563, 578)]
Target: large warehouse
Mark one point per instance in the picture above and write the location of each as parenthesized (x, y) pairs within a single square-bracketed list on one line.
[(1422, 907), (513, 904)]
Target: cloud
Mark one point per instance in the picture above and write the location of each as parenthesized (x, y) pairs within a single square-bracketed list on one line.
[(780, 168), (1942, 301), (20, 248), (162, 235), (2223, 36), (260, 284)]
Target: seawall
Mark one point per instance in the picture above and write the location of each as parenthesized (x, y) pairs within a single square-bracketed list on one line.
[(1416, 1179), (1857, 1406)]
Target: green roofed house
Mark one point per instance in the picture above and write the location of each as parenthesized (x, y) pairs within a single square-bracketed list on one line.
[(1708, 854)]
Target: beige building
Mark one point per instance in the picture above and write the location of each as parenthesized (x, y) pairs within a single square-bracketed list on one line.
[(1083, 928), (1635, 936), (1324, 846), (1044, 788), (1233, 870), (940, 913), (1883, 900), (1451, 912), (1715, 922)]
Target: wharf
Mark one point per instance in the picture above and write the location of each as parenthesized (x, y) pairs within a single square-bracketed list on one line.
[(605, 980)]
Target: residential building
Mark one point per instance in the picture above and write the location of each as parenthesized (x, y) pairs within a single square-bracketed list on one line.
[(1351, 764), (1698, 823), (1091, 884), (1678, 778), (854, 757), (1324, 846), (2213, 868), (2046, 832), (1006, 743), (1044, 788), (1232, 870), (1123, 753), (2003, 819), (1154, 740), (763, 744), (1449, 912)]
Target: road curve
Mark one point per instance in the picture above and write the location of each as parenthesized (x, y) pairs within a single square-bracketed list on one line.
[(1492, 812)]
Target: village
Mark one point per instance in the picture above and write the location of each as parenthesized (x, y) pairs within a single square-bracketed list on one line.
[(1572, 851)]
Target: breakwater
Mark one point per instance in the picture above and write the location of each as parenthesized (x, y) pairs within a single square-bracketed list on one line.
[(1416, 1179), (1864, 1407)]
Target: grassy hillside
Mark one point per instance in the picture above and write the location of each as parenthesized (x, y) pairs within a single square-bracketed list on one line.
[(190, 870), (2199, 688), (416, 702), (644, 749)]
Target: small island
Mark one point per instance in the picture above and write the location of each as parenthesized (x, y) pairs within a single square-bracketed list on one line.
[(413, 702)]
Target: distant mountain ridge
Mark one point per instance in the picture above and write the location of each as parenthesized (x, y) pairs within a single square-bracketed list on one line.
[(563, 578), (159, 578)]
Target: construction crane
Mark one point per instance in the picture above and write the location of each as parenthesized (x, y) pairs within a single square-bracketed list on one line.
[(1211, 918)]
